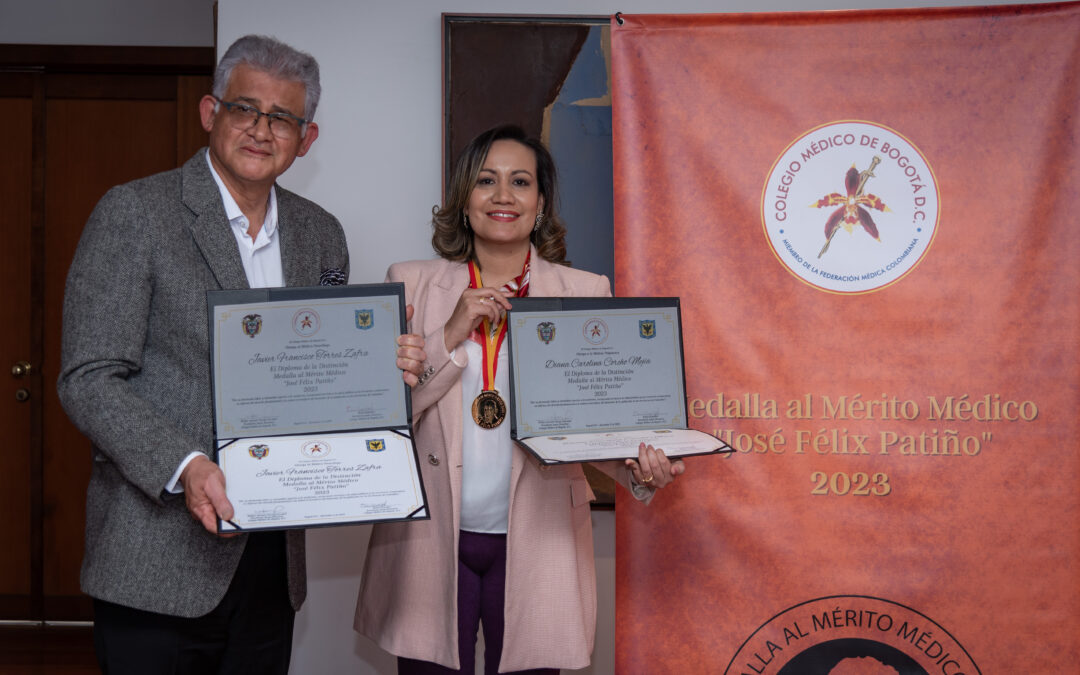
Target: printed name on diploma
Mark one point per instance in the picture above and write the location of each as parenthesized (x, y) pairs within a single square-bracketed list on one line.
[(609, 362), (314, 355)]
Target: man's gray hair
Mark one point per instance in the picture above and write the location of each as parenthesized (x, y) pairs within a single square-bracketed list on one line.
[(275, 58)]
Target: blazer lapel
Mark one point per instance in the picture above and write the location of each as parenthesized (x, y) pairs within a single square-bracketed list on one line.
[(445, 290), (544, 279), (544, 282), (298, 255), (211, 230)]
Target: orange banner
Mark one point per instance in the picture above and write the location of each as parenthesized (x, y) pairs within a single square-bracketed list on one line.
[(869, 217)]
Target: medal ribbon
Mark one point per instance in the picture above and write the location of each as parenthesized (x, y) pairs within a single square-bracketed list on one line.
[(490, 337)]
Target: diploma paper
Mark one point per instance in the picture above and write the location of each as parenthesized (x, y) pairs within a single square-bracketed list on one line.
[(592, 378), (306, 365), (294, 482), (620, 445)]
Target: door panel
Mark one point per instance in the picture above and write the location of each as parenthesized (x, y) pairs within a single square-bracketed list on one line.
[(83, 120), (16, 173), (114, 141)]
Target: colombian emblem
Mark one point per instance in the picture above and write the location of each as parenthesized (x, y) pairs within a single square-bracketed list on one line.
[(306, 322), (315, 449), (850, 207), (365, 319), (252, 325), (647, 328), (376, 445), (259, 451), (595, 331), (851, 634), (545, 330)]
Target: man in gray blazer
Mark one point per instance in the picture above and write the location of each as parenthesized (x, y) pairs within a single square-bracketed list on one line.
[(170, 594)]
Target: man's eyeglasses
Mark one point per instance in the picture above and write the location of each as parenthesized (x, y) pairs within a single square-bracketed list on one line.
[(282, 124)]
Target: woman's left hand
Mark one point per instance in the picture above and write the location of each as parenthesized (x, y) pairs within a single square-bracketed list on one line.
[(652, 468)]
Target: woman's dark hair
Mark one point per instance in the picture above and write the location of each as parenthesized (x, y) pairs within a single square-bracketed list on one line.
[(453, 241)]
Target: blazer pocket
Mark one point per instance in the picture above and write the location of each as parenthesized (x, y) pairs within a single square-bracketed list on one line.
[(580, 492)]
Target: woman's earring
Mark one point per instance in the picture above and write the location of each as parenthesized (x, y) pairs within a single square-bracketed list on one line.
[(465, 217), (539, 221)]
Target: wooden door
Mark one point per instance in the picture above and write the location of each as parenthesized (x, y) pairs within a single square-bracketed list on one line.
[(85, 119), (17, 347)]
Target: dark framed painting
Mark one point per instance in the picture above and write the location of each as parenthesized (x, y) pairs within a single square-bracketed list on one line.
[(551, 76)]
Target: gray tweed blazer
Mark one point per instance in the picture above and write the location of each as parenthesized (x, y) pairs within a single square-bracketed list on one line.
[(135, 378)]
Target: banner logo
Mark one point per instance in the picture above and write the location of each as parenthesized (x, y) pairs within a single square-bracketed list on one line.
[(315, 449), (850, 207), (851, 634), (306, 322), (595, 331)]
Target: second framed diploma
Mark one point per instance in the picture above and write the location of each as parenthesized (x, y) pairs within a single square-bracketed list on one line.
[(591, 378)]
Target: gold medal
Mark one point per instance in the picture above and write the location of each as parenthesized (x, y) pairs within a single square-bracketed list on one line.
[(488, 409)]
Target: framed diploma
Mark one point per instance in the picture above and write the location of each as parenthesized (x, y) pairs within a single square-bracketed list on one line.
[(591, 378), (311, 415)]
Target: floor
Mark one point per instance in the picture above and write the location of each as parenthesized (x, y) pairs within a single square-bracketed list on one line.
[(46, 651)]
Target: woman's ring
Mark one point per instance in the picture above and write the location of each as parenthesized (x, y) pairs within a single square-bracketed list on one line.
[(647, 479)]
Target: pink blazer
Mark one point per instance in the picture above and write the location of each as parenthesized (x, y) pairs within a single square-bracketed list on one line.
[(408, 596)]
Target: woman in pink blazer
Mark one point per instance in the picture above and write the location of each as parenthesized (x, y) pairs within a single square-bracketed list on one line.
[(509, 540)]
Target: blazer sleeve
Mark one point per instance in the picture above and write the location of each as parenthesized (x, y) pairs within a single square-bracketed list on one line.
[(440, 370), (107, 304)]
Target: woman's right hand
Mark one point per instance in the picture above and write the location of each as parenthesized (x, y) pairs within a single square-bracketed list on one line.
[(474, 305), (653, 469)]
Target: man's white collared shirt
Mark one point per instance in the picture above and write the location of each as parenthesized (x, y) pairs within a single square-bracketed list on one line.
[(261, 256)]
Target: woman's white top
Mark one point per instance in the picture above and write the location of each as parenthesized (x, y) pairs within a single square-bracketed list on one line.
[(487, 454)]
